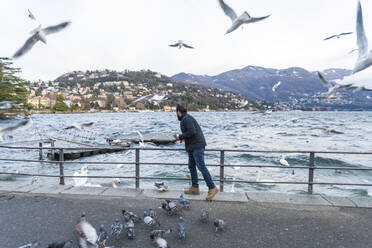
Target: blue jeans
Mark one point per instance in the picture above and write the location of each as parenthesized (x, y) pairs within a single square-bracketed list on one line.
[(196, 159)]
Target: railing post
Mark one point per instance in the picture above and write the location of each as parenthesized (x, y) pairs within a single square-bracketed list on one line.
[(40, 150), (311, 173), (222, 169), (61, 170), (137, 168), (52, 148)]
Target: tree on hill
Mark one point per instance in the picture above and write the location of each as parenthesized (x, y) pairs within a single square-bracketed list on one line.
[(60, 105), (11, 86)]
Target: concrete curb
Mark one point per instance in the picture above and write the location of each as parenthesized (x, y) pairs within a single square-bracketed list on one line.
[(239, 197)]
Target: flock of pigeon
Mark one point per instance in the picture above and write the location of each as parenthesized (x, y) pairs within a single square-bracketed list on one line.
[(88, 237)]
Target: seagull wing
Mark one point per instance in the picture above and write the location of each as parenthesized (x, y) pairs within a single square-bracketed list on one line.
[(31, 15), (345, 86), (141, 98), (87, 124), (56, 28), (361, 36), (228, 10), (174, 45), (187, 46), (324, 81), (330, 37), (347, 33), (257, 19), (15, 127), (27, 46)]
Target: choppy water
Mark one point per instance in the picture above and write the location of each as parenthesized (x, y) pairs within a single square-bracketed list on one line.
[(238, 130)]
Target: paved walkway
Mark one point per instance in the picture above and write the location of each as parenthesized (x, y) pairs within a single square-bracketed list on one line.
[(257, 196), (49, 213)]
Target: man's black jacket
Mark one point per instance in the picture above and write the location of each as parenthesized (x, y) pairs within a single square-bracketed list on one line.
[(191, 133)]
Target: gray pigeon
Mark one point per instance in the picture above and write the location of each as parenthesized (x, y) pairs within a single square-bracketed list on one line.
[(162, 187), (151, 212), (170, 207), (129, 227), (34, 244), (116, 229), (39, 35), (181, 228), (204, 216), (159, 233), (160, 243), (87, 234), (64, 244), (102, 236), (150, 222), (183, 202), (219, 225), (130, 216)]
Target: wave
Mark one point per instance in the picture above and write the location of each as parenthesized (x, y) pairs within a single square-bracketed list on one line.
[(8, 178)]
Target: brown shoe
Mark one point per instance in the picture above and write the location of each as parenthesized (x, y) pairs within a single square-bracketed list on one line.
[(192, 191), (211, 193)]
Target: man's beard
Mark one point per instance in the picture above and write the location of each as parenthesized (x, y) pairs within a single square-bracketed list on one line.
[(179, 118)]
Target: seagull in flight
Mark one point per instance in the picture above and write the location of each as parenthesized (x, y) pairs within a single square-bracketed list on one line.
[(9, 104), (365, 57), (39, 34), (181, 44), (24, 124), (331, 88), (152, 98), (338, 35), (31, 16), (276, 86), (80, 126), (238, 21), (243, 103)]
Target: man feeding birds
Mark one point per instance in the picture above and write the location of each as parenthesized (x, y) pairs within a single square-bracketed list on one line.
[(195, 145)]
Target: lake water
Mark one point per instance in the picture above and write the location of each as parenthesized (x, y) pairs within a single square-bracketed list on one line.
[(319, 131)]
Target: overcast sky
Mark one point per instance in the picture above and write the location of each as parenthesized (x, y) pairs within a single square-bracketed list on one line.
[(135, 34)]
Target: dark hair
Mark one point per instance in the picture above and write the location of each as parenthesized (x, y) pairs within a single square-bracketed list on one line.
[(181, 109)]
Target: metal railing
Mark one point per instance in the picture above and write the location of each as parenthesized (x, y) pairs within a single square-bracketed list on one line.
[(311, 167)]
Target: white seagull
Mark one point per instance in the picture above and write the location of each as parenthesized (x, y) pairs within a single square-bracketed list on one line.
[(243, 103), (365, 57), (276, 86), (9, 104), (238, 21), (356, 82), (331, 88), (39, 35), (157, 98), (80, 126), (181, 44), (116, 183), (24, 124), (31, 16), (285, 163), (79, 178), (338, 35)]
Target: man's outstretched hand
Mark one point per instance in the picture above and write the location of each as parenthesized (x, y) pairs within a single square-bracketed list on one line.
[(176, 136)]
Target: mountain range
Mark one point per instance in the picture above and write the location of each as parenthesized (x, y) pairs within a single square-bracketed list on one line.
[(299, 88)]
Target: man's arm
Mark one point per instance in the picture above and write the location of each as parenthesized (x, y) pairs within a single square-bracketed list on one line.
[(190, 129)]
